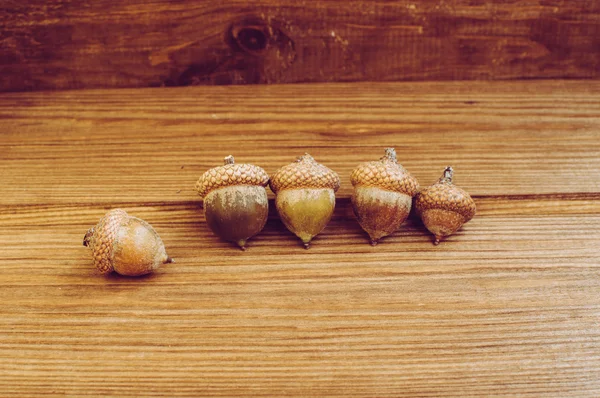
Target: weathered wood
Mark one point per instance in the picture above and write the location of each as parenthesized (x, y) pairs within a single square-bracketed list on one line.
[(69, 44), (490, 133), (508, 306)]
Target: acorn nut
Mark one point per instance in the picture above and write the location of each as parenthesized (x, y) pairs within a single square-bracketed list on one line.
[(444, 207), (305, 196), (235, 200), (125, 244), (382, 198)]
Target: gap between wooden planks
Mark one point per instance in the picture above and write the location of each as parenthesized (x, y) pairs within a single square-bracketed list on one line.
[(508, 306)]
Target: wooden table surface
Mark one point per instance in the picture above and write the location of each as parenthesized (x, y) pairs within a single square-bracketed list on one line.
[(508, 306)]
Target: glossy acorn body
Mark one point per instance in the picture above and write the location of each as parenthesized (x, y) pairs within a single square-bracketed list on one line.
[(236, 213), (443, 207), (306, 211), (380, 212), (235, 200), (126, 245), (382, 197), (305, 196)]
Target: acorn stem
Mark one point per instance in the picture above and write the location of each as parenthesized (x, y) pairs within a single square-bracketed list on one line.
[(448, 174), (437, 240), (88, 236), (390, 154), (169, 260), (373, 242), (305, 158), (307, 245), (228, 160)]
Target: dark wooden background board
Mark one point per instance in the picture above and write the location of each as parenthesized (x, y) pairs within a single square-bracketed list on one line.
[(67, 44), (508, 306)]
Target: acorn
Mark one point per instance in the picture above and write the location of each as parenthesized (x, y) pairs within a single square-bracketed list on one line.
[(125, 244), (382, 198), (305, 196), (235, 200), (444, 207)]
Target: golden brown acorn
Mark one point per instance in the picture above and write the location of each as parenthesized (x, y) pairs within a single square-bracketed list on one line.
[(444, 207), (305, 196), (382, 198), (125, 244), (235, 200)]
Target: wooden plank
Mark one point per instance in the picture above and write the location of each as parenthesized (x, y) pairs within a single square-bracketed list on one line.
[(69, 44), (508, 306), (136, 145)]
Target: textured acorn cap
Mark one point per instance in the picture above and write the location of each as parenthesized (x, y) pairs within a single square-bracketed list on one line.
[(305, 172), (385, 173), (105, 240), (231, 174), (101, 239), (445, 195)]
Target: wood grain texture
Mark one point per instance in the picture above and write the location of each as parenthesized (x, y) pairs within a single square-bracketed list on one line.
[(508, 306), (67, 44), (107, 146)]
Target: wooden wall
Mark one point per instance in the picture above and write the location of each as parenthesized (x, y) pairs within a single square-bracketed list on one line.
[(66, 44)]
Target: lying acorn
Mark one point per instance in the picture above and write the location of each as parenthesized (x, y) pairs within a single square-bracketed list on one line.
[(235, 200), (305, 196), (382, 198), (125, 244), (444, 207)]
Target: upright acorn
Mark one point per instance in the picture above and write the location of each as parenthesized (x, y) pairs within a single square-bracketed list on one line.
[(383, 192), (305, 196), (444, 207), (125, 244), (235, 200)]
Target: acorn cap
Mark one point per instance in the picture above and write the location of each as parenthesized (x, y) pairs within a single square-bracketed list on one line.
[(385, 173), (231, 174), (446, 196), (101, 239), (305, 172)]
